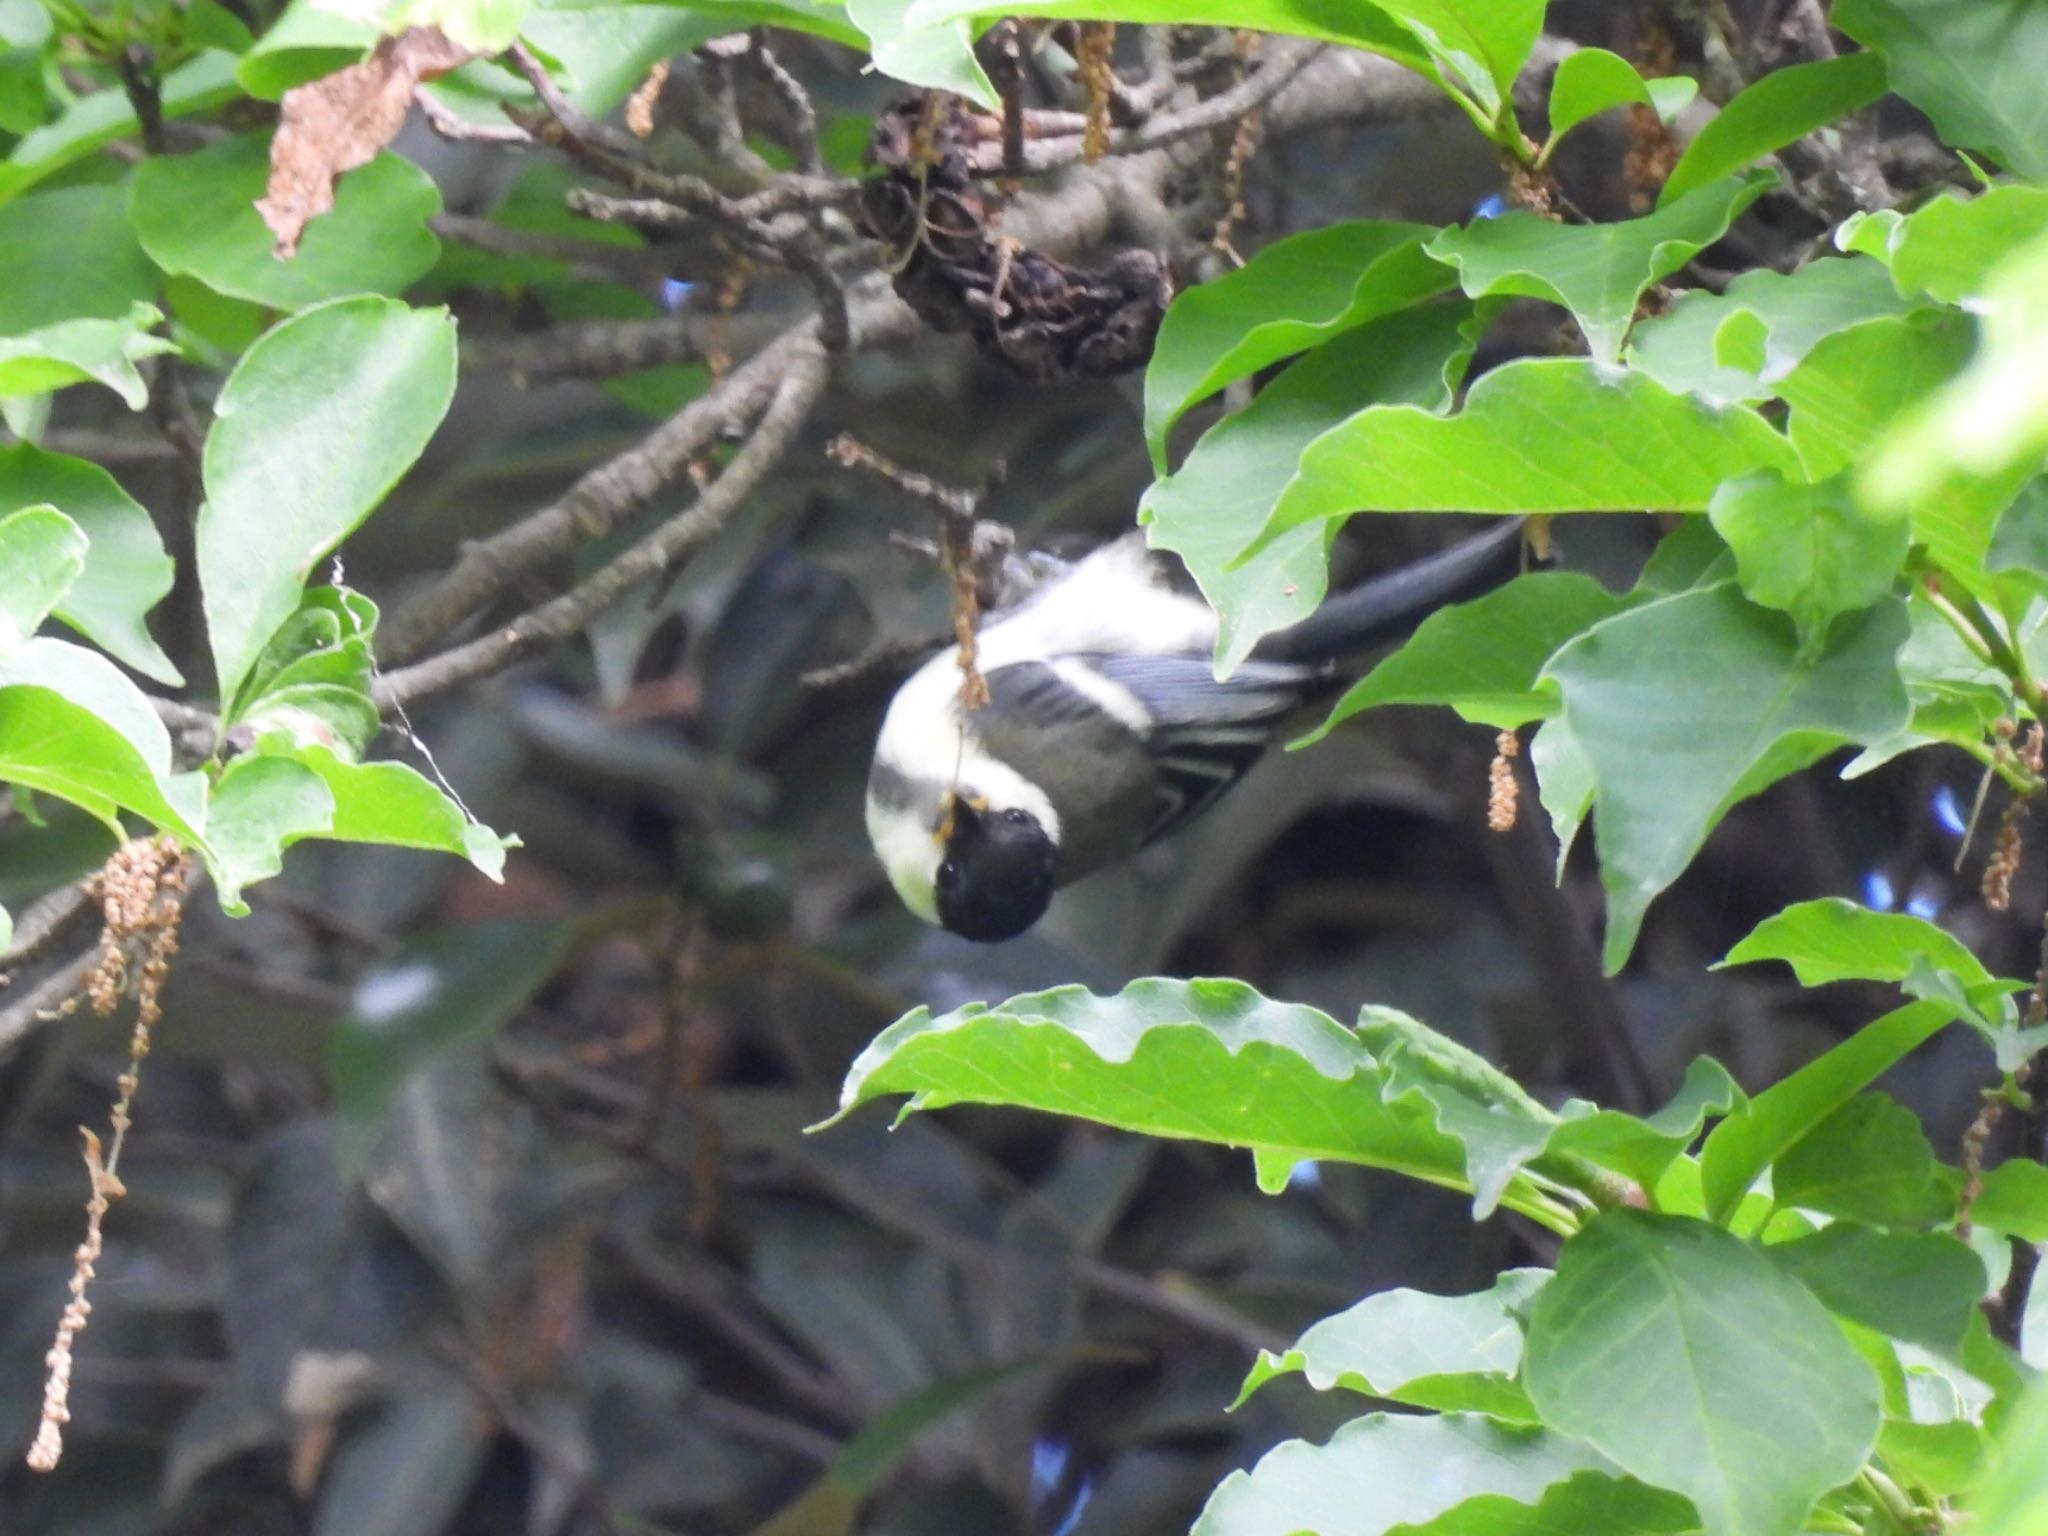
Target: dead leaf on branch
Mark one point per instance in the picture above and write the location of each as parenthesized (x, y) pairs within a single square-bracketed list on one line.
[(336, 123)]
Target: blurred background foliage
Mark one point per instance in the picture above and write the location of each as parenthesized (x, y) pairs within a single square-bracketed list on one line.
[(462, 1208)]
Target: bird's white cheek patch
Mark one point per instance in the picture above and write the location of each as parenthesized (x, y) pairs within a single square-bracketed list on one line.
[(909, 852)]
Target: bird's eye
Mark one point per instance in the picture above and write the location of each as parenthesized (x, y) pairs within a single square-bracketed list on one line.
[(1017, 818), (949, 873)]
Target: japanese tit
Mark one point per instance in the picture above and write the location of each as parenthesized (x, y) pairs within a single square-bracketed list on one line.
[(1106, 726)]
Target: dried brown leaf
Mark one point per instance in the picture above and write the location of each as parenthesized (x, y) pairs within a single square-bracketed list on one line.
[(336, 123)]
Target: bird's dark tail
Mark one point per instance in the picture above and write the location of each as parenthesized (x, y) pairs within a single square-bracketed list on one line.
[(1389, 606)]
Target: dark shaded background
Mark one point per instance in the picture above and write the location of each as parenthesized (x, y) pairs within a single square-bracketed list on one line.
[(467, 1208)]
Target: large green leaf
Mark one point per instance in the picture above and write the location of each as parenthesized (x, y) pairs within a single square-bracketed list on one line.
[(1853, 384), (126, 570), (1597, 271), (1291, 296), (1686, 705), (42, 551), (41, 240), (315, 424), (197, 214), (2012, 1500), (1697, 1365), (483, 26), (1584, 1504), (1546, 434), (1216, 503), (1214, 1061), (1868, 1161), (1474, 51), (1807, 549), (71, 725), (1948, 248), (98, 119), (1750, 1140), (1642, 1148), (256, 809), (1782, 107), (1700, 345), (1483, 658), (1450, 1353), (1592, 80), (1922, 1287), (392, 805), (70, 352), (2014, 1200), (1835, 940), (1975, 68), (1366, 1479)]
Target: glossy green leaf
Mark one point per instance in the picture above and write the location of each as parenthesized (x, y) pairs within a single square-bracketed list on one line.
[(1739, 1391), (2014, 1200), (1483, 658), (83, 352), (442, 990), (1981, 433), (1781, 108), (1450, 1353), (1597, 271), (1584, 1504), (1214, 1061), (1807, 550), (1291, 296), (41, 238), (1592, 80), (1474, 51), (1975, 69), (1686, 705), (1643, 1147), (483, 26), (312, 681), (1836, 940), (1679, 347), (1853, 383), (196, 214), (1921, 1287), (98, 119), (1216, 503), (126, 570), (71, 725), (1365, 1481), (1947, 248), (42, 551), (1548, 434), (1868, 1161), (306, 42), (256, 809), (391, 804), (1749, 1141), (315, 424)]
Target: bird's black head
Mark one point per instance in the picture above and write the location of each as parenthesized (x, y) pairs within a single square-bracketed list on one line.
[(997, 876)]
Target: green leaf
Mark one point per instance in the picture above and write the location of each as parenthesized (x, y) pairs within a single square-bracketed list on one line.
[(1365, 1480), (2014, 1200), (1983, 432), (257, 808), (937, 58), (1948, 248), (1592, 80), (1686, 705), (43, 235), (390, 804), (71, 725), (1216, 503), (315, 424), (1472, 51), (83, 352), (1852, 384), (1597, 271), (1642, 1148), (1291, 296), (1947, 1458), (2012, 1500), (126, 570), (1679, 347), (1836, 940), (441, 991), (1739, 1392), (196, 214), (483, 26), (306, 42), (605, 49), (1482, 658), (1807, 549), (1781, 108), (98, 119), (1921, 1287), (1975, 69), (1544, 434), (1749, 1141), (820, 18), (1450, 1353), (42, 551), (1868, 1161), (1584, 1504), (1212, 1061)]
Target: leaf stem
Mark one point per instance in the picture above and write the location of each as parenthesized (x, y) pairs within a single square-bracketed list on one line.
[(1890, 1503)]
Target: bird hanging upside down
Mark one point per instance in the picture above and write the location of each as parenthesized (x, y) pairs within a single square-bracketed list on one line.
[(1106, 727)]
